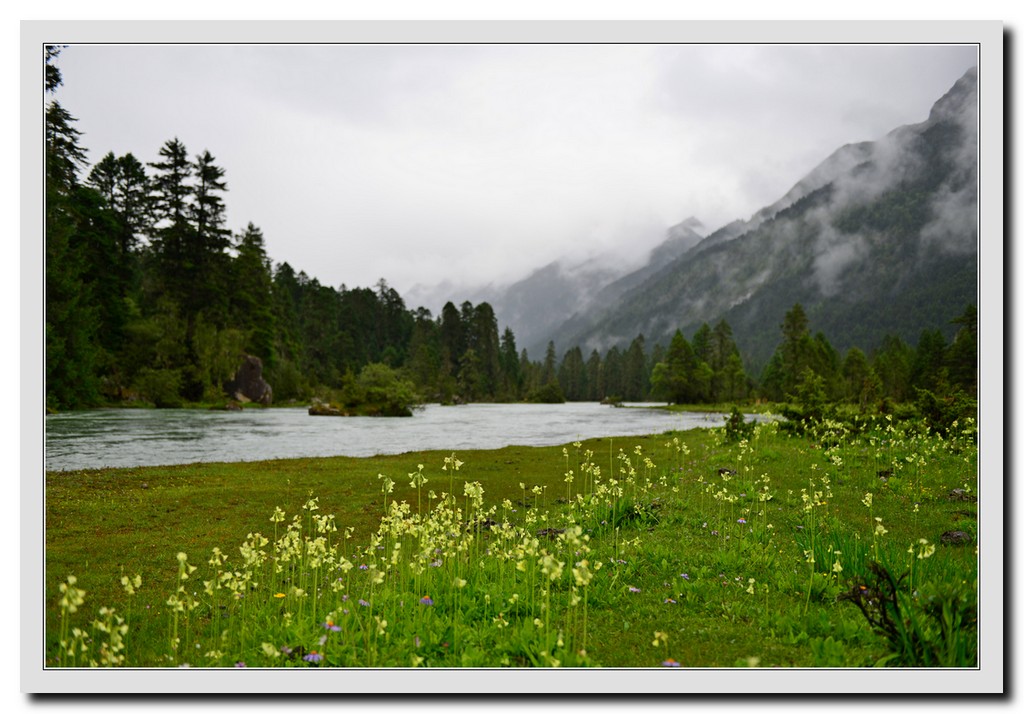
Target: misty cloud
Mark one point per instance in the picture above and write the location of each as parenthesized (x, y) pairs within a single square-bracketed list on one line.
[(834, 253), (479, 163), (954, 226)]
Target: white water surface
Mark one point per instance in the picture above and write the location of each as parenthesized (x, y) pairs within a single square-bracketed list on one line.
[(153, 437)]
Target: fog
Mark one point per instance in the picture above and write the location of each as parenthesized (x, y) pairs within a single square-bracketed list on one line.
[(477, 164)]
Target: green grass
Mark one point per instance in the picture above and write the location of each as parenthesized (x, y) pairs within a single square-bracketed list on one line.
[(625, 552)]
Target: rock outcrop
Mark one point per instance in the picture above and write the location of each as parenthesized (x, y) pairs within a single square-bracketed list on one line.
[(249, 385)]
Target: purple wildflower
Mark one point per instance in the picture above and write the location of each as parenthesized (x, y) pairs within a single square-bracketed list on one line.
[(669, 601), (239, 665), (425, 600), (741, 520), (364, 603), (685, 576), (313, 656), (364, 566), (670, 663), (633, 589), (331, 626)]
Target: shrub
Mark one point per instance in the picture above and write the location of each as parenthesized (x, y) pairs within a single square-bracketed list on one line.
[(940, 413), (737, 428), (379, 390), (934, 626), (550, 393), (162, 387)]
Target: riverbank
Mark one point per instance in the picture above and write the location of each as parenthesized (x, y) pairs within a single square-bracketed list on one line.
[(703, 541)]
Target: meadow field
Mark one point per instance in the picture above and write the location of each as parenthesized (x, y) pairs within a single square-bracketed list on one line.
[(845, 544)]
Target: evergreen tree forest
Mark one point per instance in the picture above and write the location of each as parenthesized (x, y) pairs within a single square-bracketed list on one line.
[(151, 299)]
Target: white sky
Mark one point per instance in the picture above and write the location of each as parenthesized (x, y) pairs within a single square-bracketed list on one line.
[(479, 163)]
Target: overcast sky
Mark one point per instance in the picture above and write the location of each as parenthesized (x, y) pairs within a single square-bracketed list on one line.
[(479, 163)]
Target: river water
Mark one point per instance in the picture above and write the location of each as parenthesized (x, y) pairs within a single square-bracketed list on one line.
[(154, 437)]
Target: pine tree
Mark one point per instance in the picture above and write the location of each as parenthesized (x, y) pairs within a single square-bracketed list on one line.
[(612, 374), (324, 346), (892, 363), (704, 345), (962, 356), (71, 324), (861, 381), (549, 370), (594, 392), (394, 325), (825, 362), (123, 184), (681, 378), (928, 368), (360, 333), (286, 293), (106, 272), (208, 242), (424, 354), (484, 329), (530, 372), (729, 380), (572, 376), (170, 196), (794, 354), (453, 338), (636, 380), (511, 368), (470, 379), (252, 298)]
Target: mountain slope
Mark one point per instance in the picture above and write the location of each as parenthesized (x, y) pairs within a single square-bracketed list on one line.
[(586, 292), (536, 306), (880, 238)]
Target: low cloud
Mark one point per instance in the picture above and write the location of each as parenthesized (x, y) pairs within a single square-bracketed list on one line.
[(481, 163)]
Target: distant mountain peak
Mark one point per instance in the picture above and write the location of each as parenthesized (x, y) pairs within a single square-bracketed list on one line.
[(692, 224), (962, 96), (879, 238)]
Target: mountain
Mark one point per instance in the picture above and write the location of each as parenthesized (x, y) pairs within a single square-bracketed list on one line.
[(533, 306), (540, 305), (880, 238), (537, 305)]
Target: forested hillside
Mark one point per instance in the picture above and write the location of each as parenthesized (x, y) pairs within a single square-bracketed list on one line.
[(880, 239), (152, 299)]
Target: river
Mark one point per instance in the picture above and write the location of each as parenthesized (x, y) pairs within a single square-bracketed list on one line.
[(154, 437)]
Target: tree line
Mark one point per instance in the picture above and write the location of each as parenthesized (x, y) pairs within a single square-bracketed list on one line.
[(151, 298)]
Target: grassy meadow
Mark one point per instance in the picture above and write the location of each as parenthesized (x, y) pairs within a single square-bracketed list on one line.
[(731, 547)]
